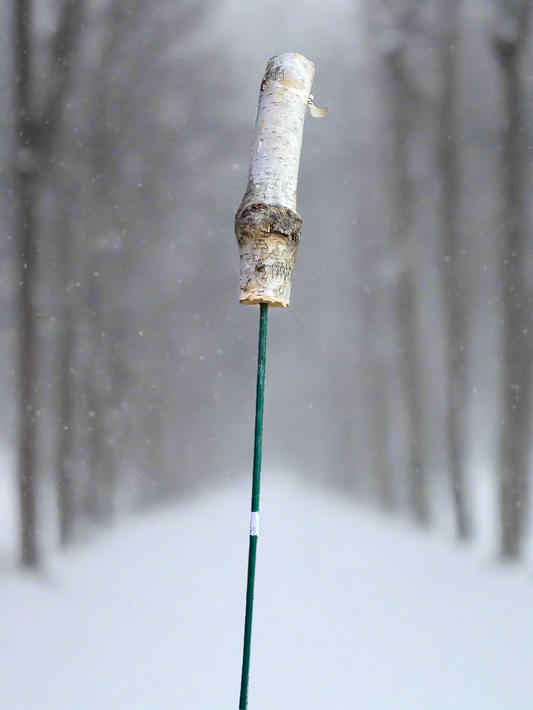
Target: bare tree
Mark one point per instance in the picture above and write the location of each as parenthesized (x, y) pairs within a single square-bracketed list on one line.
[(509, 36), (404, 99), (453, 284), (66, 442), (37, 121), (381, 401), (25, 181)]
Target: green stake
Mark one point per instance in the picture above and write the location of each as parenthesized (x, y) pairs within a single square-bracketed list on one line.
[(256, 489)]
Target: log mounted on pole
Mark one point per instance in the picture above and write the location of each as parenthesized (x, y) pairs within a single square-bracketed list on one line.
[(267, 225), (268, 230)]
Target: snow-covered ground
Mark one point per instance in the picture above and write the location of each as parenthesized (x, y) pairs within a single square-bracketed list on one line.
[(351, 613)]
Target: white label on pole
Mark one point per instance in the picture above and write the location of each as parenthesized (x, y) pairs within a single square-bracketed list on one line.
[(254, 525)]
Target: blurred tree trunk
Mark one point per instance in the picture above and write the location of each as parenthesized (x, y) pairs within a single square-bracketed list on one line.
[(101, 489), (65, 484), (377, 325), (36, 124), (403, 101), (99, 499), (26, 196), (380, 433), (28, 368), (66, 434), (509, 36), (455, 302)]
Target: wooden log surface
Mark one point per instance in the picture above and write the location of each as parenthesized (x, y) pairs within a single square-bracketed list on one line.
[(267, 225)]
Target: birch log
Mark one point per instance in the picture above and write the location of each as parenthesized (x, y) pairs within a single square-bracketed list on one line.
[(267, 225)]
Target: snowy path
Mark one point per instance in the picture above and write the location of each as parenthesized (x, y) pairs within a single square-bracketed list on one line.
[(350, 614)]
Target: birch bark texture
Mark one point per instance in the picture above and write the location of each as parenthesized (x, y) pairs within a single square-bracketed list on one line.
[(267, 225)]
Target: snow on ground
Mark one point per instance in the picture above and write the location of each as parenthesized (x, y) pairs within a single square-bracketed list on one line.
[(351, 612)]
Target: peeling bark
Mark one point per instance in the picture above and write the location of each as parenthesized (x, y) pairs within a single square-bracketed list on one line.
[(267, 226)]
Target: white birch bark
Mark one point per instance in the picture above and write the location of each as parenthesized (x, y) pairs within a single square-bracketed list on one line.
[(267, 225)]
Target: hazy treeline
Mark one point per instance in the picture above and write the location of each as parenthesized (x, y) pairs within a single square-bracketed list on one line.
[(404, 360), (458, 176)]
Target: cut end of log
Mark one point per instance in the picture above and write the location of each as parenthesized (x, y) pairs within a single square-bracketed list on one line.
[(251, 300)]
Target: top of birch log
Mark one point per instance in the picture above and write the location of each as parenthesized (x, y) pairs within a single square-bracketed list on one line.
[(267, 225)]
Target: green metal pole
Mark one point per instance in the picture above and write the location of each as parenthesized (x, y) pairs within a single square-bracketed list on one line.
[(256, 487)]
